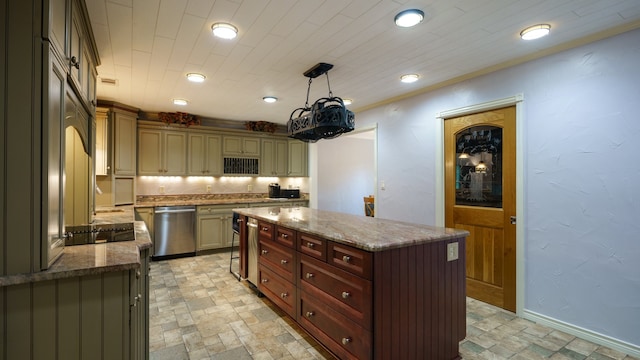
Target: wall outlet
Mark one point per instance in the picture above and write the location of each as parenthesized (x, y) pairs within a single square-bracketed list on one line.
[(249, 187), (452, 251), (161, 189), (382, 186), (208, 188)]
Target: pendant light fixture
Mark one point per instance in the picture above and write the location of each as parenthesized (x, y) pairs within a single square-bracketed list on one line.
[(327, 118)]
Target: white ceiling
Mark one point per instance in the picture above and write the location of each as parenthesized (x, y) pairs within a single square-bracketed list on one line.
[(148, 46)]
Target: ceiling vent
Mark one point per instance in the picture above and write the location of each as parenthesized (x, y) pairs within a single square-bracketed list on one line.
[(107, 81)]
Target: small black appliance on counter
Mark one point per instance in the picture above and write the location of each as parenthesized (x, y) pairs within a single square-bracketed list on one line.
[(275, 192)]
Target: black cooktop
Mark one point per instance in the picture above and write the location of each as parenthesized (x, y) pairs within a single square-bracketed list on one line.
[(99, 233)]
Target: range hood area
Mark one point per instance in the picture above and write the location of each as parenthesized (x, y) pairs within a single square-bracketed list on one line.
[(327, 118)]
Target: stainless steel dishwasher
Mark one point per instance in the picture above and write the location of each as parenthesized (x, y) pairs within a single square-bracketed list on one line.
[(252, 261), (174, 229)]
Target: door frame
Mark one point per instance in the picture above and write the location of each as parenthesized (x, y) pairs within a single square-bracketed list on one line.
[(516, 100)]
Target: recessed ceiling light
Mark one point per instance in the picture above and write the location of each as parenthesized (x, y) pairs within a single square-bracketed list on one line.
[(195, 77), (347, 101), (181, 102), (409, 78), (409, 18), (224, 30), (535, 32), (270, 99)]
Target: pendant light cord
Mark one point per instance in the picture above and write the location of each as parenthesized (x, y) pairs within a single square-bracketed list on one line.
[(306, 104), (328, 85)]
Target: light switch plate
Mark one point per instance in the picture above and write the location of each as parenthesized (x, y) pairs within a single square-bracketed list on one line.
[(452, 251)]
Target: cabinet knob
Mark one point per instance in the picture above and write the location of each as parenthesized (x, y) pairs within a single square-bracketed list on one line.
[(346, 340), (74, 62), (264, 252), (284, 236), (309, 275), (284, 295), (345, 294), (265, 228), (264, 281), (283, 262), (310, 245), (346, 258), (309, 314)]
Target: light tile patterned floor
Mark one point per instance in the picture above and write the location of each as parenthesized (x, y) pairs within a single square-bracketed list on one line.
[(198, 310)]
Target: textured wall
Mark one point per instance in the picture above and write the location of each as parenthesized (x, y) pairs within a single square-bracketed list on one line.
[(581, 172)]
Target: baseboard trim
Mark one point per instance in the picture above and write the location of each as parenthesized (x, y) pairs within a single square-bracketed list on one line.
[(582, 333)]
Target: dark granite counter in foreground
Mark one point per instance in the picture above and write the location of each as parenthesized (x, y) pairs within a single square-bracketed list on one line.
[(82, 260), (367, 233)]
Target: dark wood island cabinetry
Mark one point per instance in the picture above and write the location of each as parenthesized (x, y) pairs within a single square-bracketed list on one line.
[(365, 288)]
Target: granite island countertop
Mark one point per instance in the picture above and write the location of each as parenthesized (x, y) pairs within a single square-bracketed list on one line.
[(82, 260), (367, 233)]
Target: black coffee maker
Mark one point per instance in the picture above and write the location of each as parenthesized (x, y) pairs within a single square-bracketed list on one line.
[(274, 190)]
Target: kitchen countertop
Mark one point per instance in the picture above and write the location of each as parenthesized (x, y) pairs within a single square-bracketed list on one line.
[(82, 260), (367, 233)]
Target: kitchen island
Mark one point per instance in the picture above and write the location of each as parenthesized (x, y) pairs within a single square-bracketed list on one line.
[(365, 288)]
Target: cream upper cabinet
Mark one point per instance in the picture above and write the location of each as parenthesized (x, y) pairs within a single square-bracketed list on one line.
[(274, 161), (205, 154), (162, 152), (102, 142), (241, 146), (124, 144), (298, 163)]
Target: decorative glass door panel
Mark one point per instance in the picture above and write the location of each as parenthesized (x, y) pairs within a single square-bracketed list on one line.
[(479, 166)]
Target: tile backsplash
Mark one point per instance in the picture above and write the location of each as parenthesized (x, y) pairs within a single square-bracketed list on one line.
[(179, 185)]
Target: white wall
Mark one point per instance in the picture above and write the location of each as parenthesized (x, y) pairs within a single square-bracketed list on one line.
[(581, 173), (348, 175)]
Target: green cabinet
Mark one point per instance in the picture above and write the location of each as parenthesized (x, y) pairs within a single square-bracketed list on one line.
[(241, 146), (214, 228), (162, 152), (205, 154), (274, 161), (298, 163), (124, 144)]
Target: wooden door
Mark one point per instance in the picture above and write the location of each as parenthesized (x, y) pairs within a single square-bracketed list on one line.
[(480, 197)]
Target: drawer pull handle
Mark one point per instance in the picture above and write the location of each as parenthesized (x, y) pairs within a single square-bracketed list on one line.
[(346, 340), (309, 275), (346, 258), (284, 236), (310, 245), (309, 314), (264, 281), (284, 295), (265, 228), (283, 262), (345, 294), (264, 252)]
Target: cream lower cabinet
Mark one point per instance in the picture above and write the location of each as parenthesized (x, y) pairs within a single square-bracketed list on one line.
[(214, 226), (145, 214), (97, 316)]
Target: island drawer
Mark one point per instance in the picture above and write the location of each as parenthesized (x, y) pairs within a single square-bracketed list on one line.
[(355, 261), (280, 259), (286, 237), (281, 292), (265, 230), (338, 333), (312, 246), (342, 291)]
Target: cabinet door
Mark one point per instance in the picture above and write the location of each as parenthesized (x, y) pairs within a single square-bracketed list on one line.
[(57, 27), (232, 145), (146, 215), (250, 146), (196, 155), (214, 155), (75, 48), (210, 232), (102, 147), (174, 153), (150, 152), (267, 160), (280, 165), (297, 158), (124, 149)]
